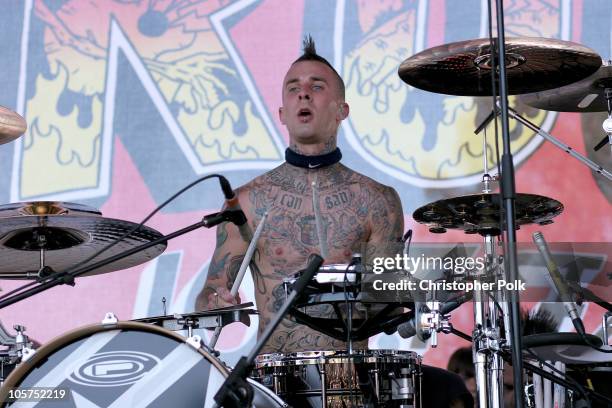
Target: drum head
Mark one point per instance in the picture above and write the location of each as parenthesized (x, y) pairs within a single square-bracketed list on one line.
[(569, 348), (126, 364)]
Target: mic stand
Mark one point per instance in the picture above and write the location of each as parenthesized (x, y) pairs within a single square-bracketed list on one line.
[(589, 296), (508, 191), (235, 391), (591, 164), (67, 277)]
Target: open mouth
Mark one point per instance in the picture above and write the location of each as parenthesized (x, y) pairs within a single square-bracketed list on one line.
[(304, 114)]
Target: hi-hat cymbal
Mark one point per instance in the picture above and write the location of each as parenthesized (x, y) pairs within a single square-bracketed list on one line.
[(480, 213), (532, 65), (64, 234), (587, 95), (11, 125)]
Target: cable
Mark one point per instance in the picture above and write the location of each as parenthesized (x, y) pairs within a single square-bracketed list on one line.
[(497, 305), (222, 181), (592, 345), (461, 334)]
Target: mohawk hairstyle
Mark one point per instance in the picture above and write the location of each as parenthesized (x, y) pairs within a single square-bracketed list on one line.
[(310, 54), (541, 321)]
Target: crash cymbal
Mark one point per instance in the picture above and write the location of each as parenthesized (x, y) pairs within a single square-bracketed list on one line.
[(11, 125), (532, 65), (60, 235), (480, 213), (587, 95)]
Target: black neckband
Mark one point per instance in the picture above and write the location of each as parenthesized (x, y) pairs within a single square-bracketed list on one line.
[(313, 162)]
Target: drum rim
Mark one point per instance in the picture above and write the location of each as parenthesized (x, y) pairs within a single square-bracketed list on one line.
[(334, 357), (24, 368)]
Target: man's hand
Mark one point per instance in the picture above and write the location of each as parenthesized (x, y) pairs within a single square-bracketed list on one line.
[(222, 298), (223, 268)]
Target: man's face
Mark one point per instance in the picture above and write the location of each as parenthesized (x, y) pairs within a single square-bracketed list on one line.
[(312, 106)]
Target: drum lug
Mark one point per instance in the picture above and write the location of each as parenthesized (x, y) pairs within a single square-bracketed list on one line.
[(195, 341), (109, 318), (27, 353)]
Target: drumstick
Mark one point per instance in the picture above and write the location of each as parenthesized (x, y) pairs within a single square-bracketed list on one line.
[(243, 266), (248, 256)]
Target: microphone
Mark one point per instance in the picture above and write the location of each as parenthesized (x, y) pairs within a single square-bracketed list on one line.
[(410, 328), (234, 216), (232, 204), (562, 288)]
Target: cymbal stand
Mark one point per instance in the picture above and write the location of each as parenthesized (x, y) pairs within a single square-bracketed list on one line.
[(487, 341), (23, 343), (592, 165), (607, 124), (19, 348), (67, 277)]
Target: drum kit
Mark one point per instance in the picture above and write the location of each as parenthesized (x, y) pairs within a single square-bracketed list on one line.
[(145, 363)]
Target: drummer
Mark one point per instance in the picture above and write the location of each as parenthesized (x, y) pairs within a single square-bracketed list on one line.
[(316, 205)]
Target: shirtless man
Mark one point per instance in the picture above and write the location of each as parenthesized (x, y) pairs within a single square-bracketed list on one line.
[(314, 203)]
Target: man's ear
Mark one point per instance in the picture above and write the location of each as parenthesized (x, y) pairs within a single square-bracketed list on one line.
[(281, 115), (343, 110)]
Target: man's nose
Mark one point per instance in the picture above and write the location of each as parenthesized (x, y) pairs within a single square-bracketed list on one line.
[(304, 95)]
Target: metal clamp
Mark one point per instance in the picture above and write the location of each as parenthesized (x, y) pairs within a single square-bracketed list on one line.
[(430, 322), (27, 353)]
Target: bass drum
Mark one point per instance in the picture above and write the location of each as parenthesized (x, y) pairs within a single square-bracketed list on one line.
[(125, 364)]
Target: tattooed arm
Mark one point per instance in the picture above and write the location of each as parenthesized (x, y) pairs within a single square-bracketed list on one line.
[(387, 224), (223, 268)]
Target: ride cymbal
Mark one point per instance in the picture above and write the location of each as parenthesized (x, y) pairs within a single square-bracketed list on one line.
[(481, 213), (532, 64), (61, 235)]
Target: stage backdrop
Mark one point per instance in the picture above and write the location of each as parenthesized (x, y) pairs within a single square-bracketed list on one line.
[(127, 101)]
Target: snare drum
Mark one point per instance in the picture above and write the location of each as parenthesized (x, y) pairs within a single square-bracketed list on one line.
[(326, 379), (126, 364)]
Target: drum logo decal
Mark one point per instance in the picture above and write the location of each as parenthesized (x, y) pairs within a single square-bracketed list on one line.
[(113, 369)]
